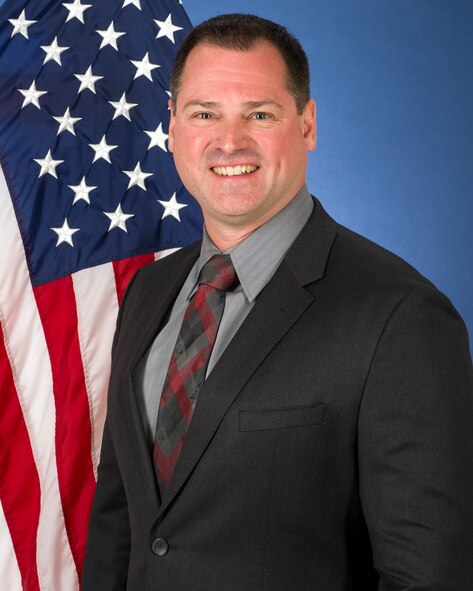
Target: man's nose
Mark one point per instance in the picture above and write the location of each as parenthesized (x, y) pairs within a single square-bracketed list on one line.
[(232, 136)]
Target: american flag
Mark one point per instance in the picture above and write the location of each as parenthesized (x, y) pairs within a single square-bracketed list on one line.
[(88, 194)]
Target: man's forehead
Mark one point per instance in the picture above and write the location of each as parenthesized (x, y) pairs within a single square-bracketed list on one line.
[(218, 51)]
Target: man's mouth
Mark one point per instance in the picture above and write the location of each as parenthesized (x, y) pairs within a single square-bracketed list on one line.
[(234, 170)]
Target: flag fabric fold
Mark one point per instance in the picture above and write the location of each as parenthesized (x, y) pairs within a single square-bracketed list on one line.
[(88, 194)]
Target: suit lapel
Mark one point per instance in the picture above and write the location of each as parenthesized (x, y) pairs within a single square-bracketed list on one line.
[(277, 308)]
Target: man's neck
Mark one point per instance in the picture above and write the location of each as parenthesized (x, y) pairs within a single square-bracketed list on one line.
[(227, 233), (227, 238)]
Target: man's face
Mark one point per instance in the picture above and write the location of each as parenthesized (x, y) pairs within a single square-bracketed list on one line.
[(239, 145)]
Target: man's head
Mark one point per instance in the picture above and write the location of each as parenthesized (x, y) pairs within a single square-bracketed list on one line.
[(239, 131), (242, 32)]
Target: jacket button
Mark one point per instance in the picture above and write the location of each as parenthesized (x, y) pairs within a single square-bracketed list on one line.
[(160, 546)]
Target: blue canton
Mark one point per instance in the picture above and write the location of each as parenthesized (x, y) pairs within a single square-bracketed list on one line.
[(83, 131)]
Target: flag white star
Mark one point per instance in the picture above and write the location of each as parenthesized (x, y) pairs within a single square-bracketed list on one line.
[(31, 95), (48, 165), (167, 28), (172, 207), (118, 219), (76, 10), (134, 2), (144, 67), (64, 233), (137, 177), (20, 25), (87, 80), (158, 138), (66, 122), (53, 52), (102, 150), (109, 37), (81, 191), (122, 107)]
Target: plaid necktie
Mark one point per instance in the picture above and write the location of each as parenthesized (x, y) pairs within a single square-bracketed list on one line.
[(189, 362)]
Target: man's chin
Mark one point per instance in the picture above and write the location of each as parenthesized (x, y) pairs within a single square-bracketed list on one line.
[(235, 209)]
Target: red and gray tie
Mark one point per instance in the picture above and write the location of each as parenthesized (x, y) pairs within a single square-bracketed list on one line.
[(189, 362)]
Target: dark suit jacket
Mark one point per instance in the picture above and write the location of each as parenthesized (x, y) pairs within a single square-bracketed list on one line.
[(333, 440)]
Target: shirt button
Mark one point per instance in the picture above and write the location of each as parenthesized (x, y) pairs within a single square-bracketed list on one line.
[(160, 547)]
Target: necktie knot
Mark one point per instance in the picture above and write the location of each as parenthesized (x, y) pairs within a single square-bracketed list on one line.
[(219, 273)]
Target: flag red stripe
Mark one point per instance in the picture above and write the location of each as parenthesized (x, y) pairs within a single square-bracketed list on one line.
[(73, 429), (126, 268), (19, 482)]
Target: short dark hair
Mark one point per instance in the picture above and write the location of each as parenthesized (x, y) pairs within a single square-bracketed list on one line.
[(243, 32)]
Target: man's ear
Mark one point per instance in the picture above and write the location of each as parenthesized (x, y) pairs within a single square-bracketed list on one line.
[(309, 123), (171, 126)]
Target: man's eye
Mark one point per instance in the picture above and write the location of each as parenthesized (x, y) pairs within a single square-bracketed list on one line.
[(204, 116), (261, 116)]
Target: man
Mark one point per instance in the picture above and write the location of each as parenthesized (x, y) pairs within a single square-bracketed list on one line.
[(323, 440)]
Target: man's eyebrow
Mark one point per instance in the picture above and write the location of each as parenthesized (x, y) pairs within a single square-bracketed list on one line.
[(248, 104), (203, 104), (263, 103)]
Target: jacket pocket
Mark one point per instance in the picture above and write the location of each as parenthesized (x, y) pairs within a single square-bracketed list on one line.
[(282, 418)]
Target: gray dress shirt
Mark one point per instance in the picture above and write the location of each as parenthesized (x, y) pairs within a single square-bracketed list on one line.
[(255, 260)]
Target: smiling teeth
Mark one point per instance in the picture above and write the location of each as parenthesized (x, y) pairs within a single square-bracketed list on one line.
[(234, 170)]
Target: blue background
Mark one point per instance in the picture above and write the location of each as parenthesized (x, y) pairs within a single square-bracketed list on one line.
[(393, 81)]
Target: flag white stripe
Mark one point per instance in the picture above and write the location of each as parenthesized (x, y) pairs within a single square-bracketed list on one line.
[(29, 358), (164, 253), (97, 306), (9, 572)]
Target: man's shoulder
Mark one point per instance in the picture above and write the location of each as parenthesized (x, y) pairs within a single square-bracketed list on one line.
[(359, 259), (360, 271), (370, 260), (364, 281), (153, 280)]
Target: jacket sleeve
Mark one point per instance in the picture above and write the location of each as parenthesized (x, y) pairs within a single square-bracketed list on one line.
[(108, 540), (415, 448)]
